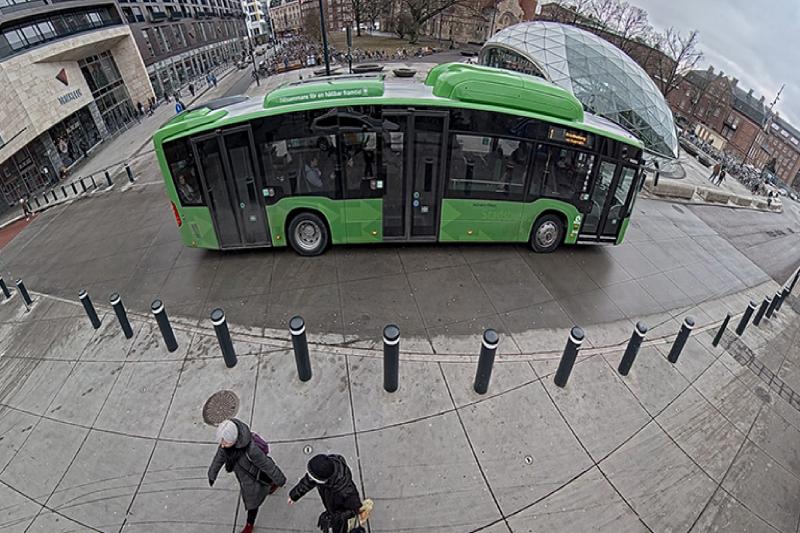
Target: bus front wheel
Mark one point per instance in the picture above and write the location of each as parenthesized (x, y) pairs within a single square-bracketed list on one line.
[(547, 234), (308, 234)]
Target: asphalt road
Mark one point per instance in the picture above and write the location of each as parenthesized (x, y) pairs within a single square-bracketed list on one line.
[(240, 85)]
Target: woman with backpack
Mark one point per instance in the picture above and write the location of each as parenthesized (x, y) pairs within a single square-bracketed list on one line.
[(246, 455)]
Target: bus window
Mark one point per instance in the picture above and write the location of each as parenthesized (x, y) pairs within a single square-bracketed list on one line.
[(180, 159), (359, 155), (567, 173), (303, 166), (487, 167)]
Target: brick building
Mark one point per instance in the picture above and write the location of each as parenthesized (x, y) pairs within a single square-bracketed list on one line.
[(286, 17), (779, 143)]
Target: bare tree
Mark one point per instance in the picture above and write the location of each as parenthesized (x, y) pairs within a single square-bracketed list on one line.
[(415, 13), (680, 55), (311, 25)]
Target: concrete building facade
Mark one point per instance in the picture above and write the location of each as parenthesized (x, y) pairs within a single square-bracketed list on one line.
[(256, 19), (71, 75), (286, 17), (778, 146)]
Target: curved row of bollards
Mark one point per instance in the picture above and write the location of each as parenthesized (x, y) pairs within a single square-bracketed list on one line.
[(86, 184)]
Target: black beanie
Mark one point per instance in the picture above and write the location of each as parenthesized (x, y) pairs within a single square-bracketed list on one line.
[(321, 467)]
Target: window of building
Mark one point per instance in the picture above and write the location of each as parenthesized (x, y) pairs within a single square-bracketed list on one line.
[(487, 167), (108, 90)]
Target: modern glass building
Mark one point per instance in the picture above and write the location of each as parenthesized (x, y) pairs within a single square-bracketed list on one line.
[(606, 80)]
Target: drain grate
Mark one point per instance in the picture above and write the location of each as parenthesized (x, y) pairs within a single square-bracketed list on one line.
[(220, 406)]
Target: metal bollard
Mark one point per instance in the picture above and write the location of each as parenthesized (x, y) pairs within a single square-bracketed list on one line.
[(94, 183), (784, 294), (89, 307), (119, 309), (108, 179), (748, 314), (391, 357), (297, 327), (722, 328), (680, 340), (38, 205), (83, 185), (568, 357), (46, 199), (633, 348), (3, 287), (224, 337), (74, 188), (771, 308), (64, 191), (24, 293), (761, 310), (55, 198), (157, 307), (794, 281), (483, 375), (129, 172)]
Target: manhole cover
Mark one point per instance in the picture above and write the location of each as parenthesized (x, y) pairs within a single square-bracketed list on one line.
[(220, 406), (763, 394)]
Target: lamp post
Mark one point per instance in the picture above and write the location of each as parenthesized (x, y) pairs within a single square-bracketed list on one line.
[(252, 52), (324, 39)]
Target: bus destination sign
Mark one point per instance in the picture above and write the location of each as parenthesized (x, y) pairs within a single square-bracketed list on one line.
[(324, 95), (577, 138)]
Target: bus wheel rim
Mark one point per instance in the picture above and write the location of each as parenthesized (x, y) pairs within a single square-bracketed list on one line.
[(308, 235), (546, 234)]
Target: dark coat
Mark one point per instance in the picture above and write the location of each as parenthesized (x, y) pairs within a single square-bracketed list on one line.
[(250, 463), (339, 494)]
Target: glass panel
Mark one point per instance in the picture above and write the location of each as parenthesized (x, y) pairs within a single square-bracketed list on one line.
[(358, 155), (605, 176), (567, 173), (487, 167), (616, 211), (427, 156), (180, 159), (393, 165), (246, 185), (219, 199)]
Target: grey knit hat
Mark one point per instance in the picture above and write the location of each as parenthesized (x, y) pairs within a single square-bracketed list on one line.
[(227, 431)]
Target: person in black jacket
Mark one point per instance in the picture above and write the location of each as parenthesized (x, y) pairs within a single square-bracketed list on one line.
[(257, 473), (333, 480)]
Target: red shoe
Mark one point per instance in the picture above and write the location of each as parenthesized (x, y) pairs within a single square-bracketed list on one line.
[(248, 528)]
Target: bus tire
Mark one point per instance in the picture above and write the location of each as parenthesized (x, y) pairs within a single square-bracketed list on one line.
[(547, 234), (308, 234)]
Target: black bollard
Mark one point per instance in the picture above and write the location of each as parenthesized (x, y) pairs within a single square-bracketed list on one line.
[(771, 308), (761, 310), (794, 281), (119, 309), (3, 287), (391, 357), (108, 179), (297, 327), (748, 314), (64, 191), (24, 293), (83, 185), (722, 328), (129, 172), (224, 337), (89, 307), (74, 188), (46, 199), (94, 183), (38, 205), (784, 294), (483, 375), (55, 198), (157, 307), (633, 348), (680, 341), (568, 357)]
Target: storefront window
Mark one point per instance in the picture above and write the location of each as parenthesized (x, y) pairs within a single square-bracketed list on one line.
[(108, 90)]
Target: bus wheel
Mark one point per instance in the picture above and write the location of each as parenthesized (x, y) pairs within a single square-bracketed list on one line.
[(547, 234), (308, 234)]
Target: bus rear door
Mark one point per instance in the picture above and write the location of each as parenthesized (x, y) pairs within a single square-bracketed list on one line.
[(233, 187)]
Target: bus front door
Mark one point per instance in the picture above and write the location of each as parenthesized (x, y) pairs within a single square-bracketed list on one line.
[(232, 184), (413, 155), (609, 201)]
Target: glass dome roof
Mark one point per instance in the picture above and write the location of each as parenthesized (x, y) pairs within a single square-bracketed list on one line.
[(606, 80)]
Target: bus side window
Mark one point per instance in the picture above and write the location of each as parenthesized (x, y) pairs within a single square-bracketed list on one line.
[(491, 168), (281, 176), (180, 159), (539, 167), (566, 172), (360, 157)]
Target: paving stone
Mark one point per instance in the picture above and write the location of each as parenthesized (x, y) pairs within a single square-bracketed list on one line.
[(693, 360), (652, 378), (15, 426), (16, 511), (588, 504), (732, 397), (200, 379), (765, 487), (778, 438), (505, 376), (85, 390), (599, 408), (50, 522), (207, 347), (109, 343), (422, 392), (39, 465), (697, 427), (74, 335), (521, 469), (101, 482), (449, 295), (139, 399), (725, 514), (149, 344), (659, 481), (427, 459), (31, 384), (279, 392), (510, 284)]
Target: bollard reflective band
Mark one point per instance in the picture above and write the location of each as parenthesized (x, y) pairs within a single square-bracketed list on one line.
[(157, 307), (688, 325), (753, 305), (490, 346), (574, 340), (115, 299), (83, 294), (391, 342), (219, 321), (298, 331), (639, 331)]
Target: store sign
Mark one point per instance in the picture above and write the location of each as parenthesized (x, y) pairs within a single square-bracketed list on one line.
[(70, 96)]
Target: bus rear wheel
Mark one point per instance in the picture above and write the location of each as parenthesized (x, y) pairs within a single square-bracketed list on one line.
[(547, 234), (308, 234)]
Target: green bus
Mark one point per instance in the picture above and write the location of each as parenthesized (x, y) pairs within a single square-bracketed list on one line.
[(473, 154)]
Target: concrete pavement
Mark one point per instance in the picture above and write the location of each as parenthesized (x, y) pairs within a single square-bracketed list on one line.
[(100, 433)]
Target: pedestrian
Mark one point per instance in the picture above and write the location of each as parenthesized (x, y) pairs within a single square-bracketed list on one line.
[(714, 173), (140, 108), (191, 89), (721, 176), (26, 210), (241, 453), (332, 478), (214, 79)]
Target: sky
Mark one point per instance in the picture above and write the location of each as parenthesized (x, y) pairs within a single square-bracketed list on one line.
[(755, 41)]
